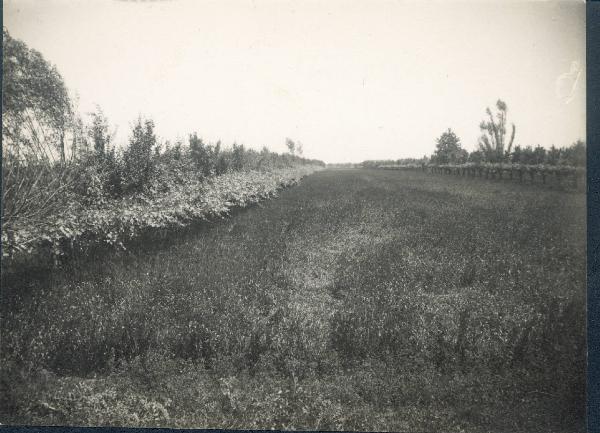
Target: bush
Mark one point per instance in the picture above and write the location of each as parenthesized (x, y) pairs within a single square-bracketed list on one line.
[(138, 160), (221, 161), (574, 155), (92, 179), (202, 156), (33, 188), (238, 157)]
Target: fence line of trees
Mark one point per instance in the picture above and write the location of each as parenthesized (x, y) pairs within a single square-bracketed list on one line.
[(497, 156), (560, 174)]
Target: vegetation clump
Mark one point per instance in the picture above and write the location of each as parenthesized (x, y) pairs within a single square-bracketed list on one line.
[(56, 200)]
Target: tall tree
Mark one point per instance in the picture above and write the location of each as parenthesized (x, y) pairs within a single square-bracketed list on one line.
[(36, 108), (36, 112), (448, 149), (493, 142)]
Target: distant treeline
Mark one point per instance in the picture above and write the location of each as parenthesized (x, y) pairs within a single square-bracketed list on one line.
[(375, 163), (495, 146), (572, 156)]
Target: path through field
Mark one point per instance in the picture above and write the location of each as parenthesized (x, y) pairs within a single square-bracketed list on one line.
[(360, 299)]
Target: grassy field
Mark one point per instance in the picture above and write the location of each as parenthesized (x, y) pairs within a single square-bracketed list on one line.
[(358, 300)]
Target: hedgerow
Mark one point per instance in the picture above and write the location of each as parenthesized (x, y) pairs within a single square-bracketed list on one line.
[(114, 222), (56, 199), (564, 175)]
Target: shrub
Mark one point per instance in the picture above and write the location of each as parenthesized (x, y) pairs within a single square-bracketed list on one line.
[(202, 156), (221, 161), (575, 154), (91, 178), (138, 160), (32, 189), (238, 157)]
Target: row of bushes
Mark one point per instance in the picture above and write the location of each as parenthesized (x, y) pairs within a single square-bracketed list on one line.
[(566, 157), (573, 155), (377, 163), (147, 166), (494, 146), (61, 171), (107, 194), (560, 174), (78, 226), (471, 168)]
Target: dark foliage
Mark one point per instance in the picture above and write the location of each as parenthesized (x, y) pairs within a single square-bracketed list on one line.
[(449, 150), (36, 108), (138, 157)]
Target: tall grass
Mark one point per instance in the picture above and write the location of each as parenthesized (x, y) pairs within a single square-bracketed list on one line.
[(358, 300)]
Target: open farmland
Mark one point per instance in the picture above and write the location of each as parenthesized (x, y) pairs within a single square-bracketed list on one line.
[(357, 300)]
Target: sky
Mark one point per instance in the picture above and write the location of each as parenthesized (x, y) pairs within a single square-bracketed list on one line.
[(350, 79)]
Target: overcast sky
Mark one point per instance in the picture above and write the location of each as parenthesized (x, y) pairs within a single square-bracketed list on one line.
[(352, 80)]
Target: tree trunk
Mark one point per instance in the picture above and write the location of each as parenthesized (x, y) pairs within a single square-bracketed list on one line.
[(73, 147), (62, 145)]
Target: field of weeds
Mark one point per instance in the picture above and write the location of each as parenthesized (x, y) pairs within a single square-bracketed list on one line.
[(357, 300)]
